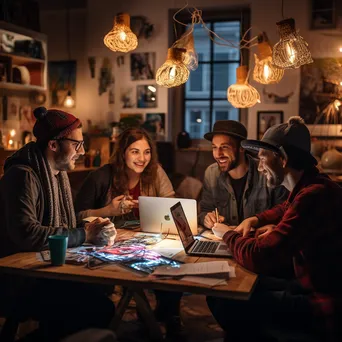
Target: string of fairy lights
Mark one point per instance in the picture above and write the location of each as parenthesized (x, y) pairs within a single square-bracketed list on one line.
[(291, 51)]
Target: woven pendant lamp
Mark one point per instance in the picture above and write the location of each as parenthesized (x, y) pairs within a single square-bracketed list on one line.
[(173, 72), (186, 41), (265, 72), (292, 50), (121, 38), (242, 94)]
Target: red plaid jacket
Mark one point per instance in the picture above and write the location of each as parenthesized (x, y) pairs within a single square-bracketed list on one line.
[(309, 230)]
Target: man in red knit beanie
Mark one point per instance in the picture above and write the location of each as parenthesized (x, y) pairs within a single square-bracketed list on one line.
[(36, 202)]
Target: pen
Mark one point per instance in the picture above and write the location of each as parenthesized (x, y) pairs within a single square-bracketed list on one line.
[(217, 215)]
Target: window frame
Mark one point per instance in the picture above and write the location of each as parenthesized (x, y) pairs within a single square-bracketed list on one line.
[(177, 104)]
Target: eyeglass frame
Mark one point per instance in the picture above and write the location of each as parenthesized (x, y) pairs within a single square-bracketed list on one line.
[(80, 143)]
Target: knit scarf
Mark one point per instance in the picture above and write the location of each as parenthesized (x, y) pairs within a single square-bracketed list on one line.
[(56, 189)]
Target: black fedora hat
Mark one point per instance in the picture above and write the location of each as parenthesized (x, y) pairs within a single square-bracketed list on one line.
[(228, 127)]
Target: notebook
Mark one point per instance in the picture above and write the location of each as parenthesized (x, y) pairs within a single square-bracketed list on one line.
[(192, 246)]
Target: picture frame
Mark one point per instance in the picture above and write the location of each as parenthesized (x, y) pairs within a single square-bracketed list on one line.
[(266, 119), (147, 96), (323, 14), (143, 65), (5, 69)]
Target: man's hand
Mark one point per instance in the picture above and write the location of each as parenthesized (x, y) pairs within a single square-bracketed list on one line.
[(210, 219), (100, 232), (246, 225), (265, 230), (220, 229)]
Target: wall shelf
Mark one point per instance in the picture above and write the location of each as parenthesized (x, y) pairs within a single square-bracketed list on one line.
[(18, 86)]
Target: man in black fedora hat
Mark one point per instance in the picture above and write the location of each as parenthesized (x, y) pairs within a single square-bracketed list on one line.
[(305, 229), (233, 184)]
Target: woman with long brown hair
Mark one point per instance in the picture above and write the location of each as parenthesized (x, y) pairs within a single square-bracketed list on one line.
[(113, 189)]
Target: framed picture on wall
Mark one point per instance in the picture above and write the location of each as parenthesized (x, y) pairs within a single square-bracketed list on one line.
[(323, 14), (266, 119)]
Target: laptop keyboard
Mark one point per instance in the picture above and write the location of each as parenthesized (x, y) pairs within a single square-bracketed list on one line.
[(205, 247)]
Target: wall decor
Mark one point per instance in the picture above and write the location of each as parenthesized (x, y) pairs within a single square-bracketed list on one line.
[(146, 96), (141, 27), (272, 97), (323, 14), (126, 97), (13, 107), (92, 66), (131, 120), (106, 76), (143, 66), (27, 118), (5, 69), (62, 78), (266, 119), (320, 95), (155, 125)]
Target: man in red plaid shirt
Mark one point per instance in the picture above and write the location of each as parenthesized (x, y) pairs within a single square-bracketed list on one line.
[(307, 227)]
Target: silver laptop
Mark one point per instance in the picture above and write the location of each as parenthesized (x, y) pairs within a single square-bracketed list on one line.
[(192, 246), (155, 215)]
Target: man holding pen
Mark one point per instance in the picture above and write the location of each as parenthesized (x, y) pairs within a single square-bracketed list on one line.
[(233, 188)]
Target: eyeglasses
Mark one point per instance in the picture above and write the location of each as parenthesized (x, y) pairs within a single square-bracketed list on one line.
[(80, 143)]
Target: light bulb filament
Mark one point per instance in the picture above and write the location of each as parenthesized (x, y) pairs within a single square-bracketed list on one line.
[(266, 72), (172, 73), (291, 52), (122, 35)]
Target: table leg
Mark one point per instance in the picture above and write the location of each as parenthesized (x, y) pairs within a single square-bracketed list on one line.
[(145, 311), (120, 309)]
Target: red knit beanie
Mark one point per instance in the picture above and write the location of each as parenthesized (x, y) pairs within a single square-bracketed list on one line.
[(53, 124)]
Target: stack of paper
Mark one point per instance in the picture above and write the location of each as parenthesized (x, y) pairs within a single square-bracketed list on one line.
[(212, 269)]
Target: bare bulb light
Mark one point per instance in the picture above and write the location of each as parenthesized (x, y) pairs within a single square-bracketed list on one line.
[(69, 102), (265, 72), (292, 50), (121, 38), (173, 72), (242, 94)]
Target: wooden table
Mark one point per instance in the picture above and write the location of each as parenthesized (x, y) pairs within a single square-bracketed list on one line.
[(26, 264)]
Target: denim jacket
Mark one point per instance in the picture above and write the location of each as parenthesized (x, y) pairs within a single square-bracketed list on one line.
[(218, 193)]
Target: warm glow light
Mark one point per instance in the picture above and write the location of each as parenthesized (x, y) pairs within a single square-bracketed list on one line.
[(291, 53), (173, 72), (121, 38), (199, 120), (340, 49), (337, 104), (12, 133), (122, 35), (153, 98), (242, 94), (10, 142), (153, 89), (292, 50), (266, 71), (69, 101), (340, 83)]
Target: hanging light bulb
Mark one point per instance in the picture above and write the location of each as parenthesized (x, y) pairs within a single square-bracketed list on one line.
[(186, 41), (121, 38), (69, 101), (173, 72), (292, 50), (242, 94), (265, 72)]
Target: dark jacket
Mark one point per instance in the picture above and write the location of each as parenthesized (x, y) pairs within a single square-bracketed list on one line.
[(23, 209), (309, 232), (219, 193)]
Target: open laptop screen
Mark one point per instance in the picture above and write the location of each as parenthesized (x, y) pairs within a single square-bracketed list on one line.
[(182, 225)]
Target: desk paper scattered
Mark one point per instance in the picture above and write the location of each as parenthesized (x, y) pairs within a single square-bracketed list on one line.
[(213, 269)]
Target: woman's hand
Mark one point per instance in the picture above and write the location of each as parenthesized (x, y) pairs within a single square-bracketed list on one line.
[(121, 205), (246, 225), (265, 230)]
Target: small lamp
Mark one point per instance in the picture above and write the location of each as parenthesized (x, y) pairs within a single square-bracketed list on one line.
[(242, 94), (173, 72), (69, 102), (121, 38), (265, 72), (292, 50)]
